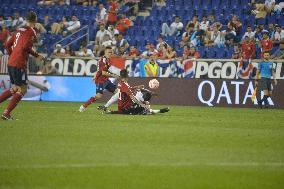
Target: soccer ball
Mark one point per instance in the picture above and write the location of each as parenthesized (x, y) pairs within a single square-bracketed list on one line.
[(154, 84)]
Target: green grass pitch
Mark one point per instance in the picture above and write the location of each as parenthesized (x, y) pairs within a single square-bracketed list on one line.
[(52, 146)]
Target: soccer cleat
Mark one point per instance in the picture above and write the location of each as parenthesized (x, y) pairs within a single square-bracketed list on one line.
[(82, 108), (164, 110), (102, 108), (7, 117)]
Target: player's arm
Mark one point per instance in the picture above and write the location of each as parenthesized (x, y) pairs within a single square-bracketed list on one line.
[(9, 44), (109, 74), (33, 52), (135, 100), (257, 74), (137, 87)]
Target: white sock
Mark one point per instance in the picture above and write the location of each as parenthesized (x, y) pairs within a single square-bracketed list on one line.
[(154, 111), (112, 100)]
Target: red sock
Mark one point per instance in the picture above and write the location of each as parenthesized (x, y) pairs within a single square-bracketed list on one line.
[(5, 95), (90, 101), (13, 103)]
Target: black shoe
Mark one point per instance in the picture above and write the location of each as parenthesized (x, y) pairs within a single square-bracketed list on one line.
[(164, 110), (7, 117), (259, 104), (102, 108)]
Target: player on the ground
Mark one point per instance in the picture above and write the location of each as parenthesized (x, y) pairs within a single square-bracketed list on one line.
[(102, 79), (265, 71), (143, 95), (128, 103), (19, 46)]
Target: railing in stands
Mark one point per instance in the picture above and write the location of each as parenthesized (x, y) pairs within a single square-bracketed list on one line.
[(77, 34)]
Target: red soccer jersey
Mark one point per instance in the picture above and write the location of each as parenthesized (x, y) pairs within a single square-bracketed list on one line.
[(248, 50), (266, 45), (124, 100), (19, 46), (103, 65)]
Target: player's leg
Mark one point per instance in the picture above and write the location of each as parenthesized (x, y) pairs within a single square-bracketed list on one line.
[(266, 86), (111, 88), (9, 92), (20, 89), (163, 110)]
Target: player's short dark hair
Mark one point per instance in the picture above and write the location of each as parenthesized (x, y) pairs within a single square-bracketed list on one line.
[(31, 16), (108, 47), (124, 73), (265, 52)]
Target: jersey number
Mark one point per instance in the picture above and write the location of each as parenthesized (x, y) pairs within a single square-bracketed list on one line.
[(16, 41)]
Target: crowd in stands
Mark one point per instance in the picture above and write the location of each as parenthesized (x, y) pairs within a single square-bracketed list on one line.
[(193, 38)]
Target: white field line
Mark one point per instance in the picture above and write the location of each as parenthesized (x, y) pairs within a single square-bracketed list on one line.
[(95, 165)]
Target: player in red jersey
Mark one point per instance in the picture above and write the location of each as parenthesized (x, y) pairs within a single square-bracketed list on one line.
[(19, 46), (266, 44), (102, 79), (129, 103)]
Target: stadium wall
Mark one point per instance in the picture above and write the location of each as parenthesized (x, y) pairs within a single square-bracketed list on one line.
[(172, 91)]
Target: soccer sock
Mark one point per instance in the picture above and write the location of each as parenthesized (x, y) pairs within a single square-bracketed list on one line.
[(13, 103), (5, 95), (90, 101), (112, 100), (154, 111), (265, 100)]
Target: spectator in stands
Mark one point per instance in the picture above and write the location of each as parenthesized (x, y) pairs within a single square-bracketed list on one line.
[(123, 24), (236, 24), (237, 54), (150, 51), (121, 51), (85, 52), (84, 2), (170, 53), (271, 30), (101, 17), (279, 53), (160, 42), (107, 41), (266, 43), (188, 36), (259, 33), (9, 22), (133, 52), (69, 51), (248, 48), (215, 37), (57, 28), (59, 51), (230, 36), (152, 68), (175, 28), (4, 33), (112, 12), (278, 35), (40, 28), (193, 53), (204, 25), (160, 3), (269, 5), (162, 52), (73, 25), (211, 19), (1, 20), (259, 10), (47, 24), (249, 33), (121, 42), (100, 35), (112, 31), (46, 2), (195, 23), (18, 21)]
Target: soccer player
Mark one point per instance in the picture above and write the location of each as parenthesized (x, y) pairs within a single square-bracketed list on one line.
[(19, 46), (102, 79), (128, 103), (265, 71)]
